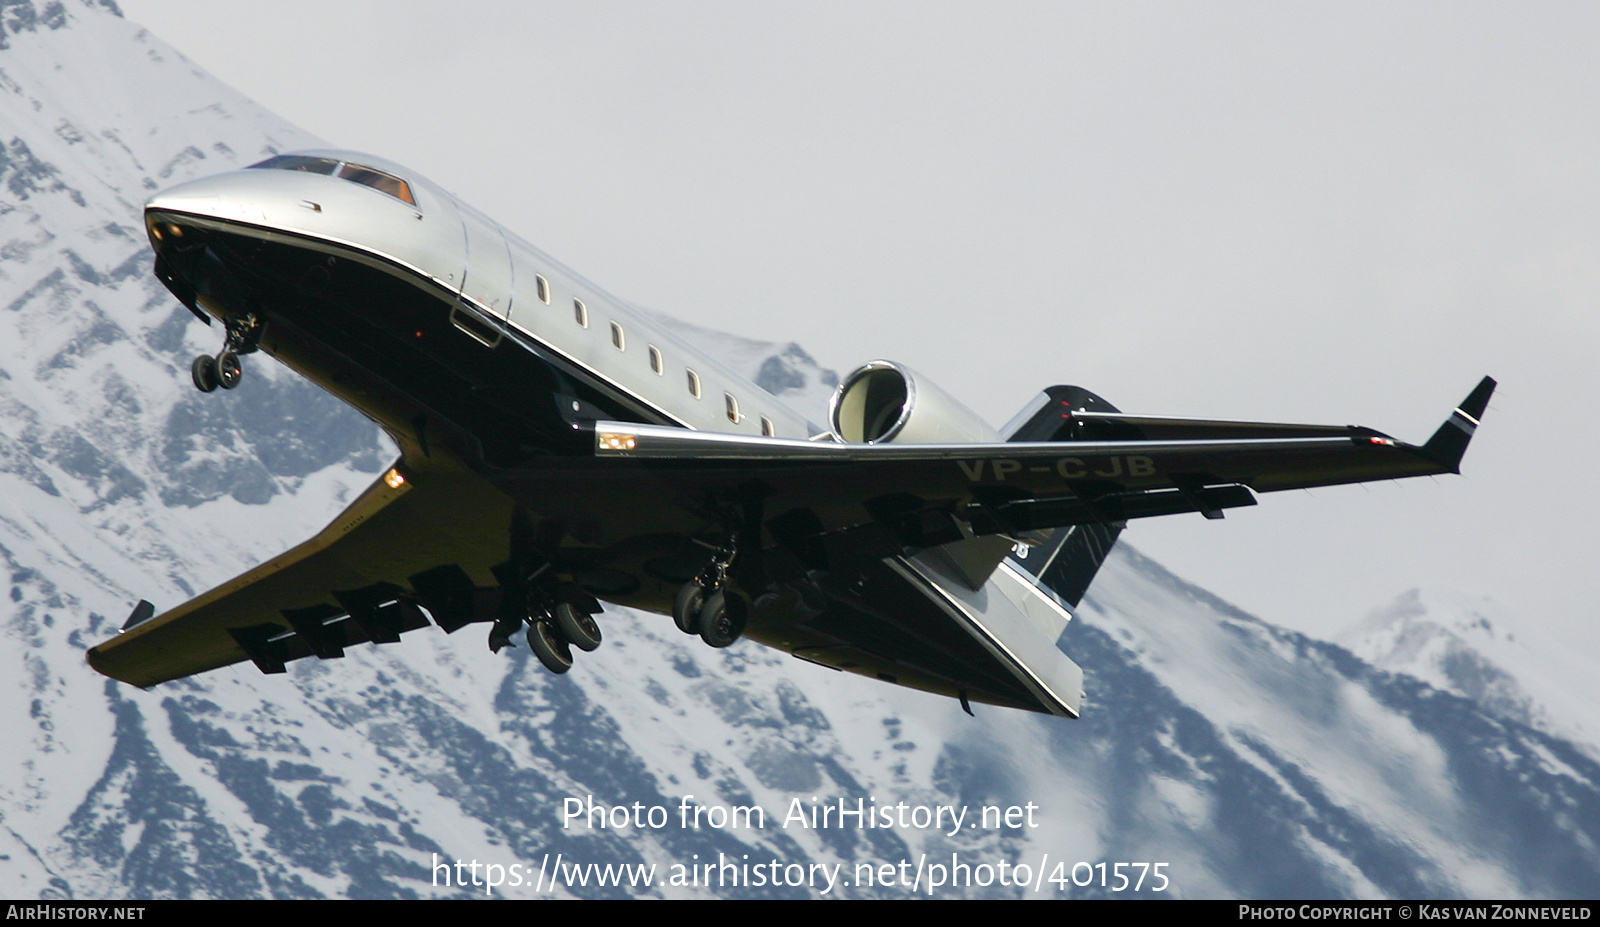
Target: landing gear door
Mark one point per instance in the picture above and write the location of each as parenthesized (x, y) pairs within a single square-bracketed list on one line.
[(486, 289)]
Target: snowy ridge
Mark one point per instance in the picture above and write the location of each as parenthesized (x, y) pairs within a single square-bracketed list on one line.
[(1347, 763), (1252, 761), (1475, 648)]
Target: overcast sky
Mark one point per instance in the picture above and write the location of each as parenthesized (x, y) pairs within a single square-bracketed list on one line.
[(1344, 213)]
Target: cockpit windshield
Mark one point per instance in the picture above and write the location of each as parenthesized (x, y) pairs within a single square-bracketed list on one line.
[(299, 163), (356, 173)]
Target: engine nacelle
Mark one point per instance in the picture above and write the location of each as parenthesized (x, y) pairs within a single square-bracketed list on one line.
[(883, 402)]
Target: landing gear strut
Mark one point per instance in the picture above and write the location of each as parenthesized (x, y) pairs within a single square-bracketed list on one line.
[(707, 607), (225, 369)]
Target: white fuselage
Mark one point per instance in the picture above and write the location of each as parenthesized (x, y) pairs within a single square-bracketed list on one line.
[(513, 288)]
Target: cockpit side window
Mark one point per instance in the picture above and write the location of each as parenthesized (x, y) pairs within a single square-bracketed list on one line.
[(378, 180), (299, 163)]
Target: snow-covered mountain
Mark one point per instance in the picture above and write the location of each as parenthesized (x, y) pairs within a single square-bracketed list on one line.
[(1474, 648), (1248, 760)]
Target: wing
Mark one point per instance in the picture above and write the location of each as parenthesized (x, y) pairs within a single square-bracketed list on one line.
[(342, 587), (440, 535), (932, 494)]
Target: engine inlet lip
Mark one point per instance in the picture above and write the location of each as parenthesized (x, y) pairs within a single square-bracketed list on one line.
[(836, 401)]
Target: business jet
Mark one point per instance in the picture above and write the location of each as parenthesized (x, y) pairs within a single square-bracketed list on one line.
[(560, 449)]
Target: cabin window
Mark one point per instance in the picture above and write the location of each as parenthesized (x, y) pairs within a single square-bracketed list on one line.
[(542, 287), (580, 312), (694, 383), (618, 340), (656, 363), (732, 405), (768, 429)]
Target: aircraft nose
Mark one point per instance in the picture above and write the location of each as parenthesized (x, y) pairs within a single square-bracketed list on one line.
[(196, 196), (235, 197)]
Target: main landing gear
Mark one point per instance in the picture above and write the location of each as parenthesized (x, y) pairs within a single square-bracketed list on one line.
[(552, 636), (225, 369), (708, 607), (558, 620)]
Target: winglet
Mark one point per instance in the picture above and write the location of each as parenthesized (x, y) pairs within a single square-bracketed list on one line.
[(142, 612), (1450, 441)]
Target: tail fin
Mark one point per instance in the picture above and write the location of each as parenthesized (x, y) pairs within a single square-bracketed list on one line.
[(1048, 416), (1450, 441), (1067, 562)]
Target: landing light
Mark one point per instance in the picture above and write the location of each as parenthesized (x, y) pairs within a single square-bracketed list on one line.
[(393, 479), (617, 442)]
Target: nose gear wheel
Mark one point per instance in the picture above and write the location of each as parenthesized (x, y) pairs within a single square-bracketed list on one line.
[(229, 370), (204, 372), (225, 369)]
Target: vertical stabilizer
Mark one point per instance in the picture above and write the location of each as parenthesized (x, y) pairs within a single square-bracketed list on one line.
[(1067, 562)]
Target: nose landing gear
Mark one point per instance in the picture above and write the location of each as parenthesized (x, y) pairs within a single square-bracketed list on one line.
[(225, 369)]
